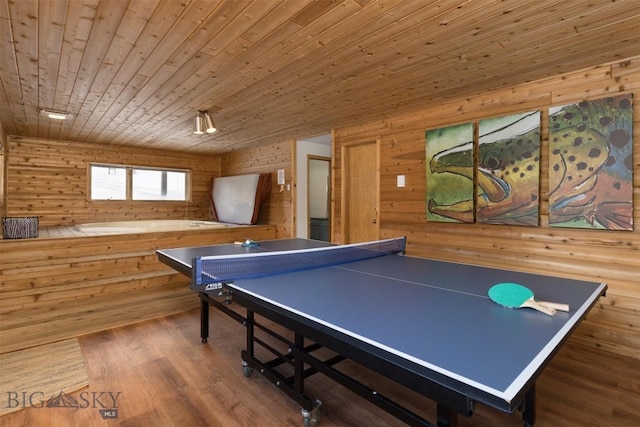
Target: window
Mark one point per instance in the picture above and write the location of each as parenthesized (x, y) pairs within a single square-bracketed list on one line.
[(119, 182), (150, 184), (108, 183)]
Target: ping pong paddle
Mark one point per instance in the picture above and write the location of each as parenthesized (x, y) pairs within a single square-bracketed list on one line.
[(513, 295), (248, 243), (557, 305)]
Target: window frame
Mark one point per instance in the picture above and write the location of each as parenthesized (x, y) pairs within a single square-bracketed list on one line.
[(129, 182)]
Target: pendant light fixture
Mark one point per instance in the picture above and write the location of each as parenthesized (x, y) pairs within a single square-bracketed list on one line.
[(209, 126), (202, 123), (198, 123)]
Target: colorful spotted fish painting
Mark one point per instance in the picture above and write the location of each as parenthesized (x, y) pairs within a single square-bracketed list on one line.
[(450, 196), (591, 164), (507, 173), (508, 170)]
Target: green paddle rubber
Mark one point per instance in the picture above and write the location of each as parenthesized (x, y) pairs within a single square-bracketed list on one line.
[(513, 295)]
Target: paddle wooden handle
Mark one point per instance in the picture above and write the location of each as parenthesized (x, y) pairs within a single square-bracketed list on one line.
[(531, 303), (557, 305)]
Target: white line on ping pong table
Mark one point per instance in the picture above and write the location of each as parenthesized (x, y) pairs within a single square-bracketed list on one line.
[(397, 279)]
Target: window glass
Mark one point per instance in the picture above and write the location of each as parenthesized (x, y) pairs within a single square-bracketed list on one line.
[(108, 183), (121, 182), (149, 184)]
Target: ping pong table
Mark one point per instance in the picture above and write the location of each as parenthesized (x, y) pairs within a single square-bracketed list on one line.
[(426, 324)]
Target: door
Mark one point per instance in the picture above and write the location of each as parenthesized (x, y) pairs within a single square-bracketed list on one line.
[(319, 197), (361, 192)]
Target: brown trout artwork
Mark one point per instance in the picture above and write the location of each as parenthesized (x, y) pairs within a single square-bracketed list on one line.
[(591, 164), (507, 174), (450, 196)]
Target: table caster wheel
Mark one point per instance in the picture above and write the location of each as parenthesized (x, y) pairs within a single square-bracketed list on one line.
[(247, 370), (312, 418)]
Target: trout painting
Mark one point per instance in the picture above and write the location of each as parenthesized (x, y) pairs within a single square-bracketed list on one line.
[(591, 164), (507, 175), (450, 195), (508, 172)]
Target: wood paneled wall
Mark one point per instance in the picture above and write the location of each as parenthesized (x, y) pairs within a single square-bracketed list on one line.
[(56, 288), (3, 188), (603, 256), (3, 138), (3, 166), (278, 210), (48, 179)]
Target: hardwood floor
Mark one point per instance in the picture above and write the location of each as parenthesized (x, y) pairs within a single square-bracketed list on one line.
[(160, 374)]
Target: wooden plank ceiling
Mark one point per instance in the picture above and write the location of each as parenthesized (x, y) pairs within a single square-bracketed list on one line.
[(134, 72)]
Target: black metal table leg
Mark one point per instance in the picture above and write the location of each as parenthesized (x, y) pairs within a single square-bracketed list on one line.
[(446, 417), (529, 410), (204, 319), (250, 334), (299, 366)]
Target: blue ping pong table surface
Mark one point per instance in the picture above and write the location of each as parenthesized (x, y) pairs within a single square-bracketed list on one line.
[(433, 314)]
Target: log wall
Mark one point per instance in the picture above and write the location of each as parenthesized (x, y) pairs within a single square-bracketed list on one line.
[(48, 179), (278, 210), (56, 288), (603, 256)]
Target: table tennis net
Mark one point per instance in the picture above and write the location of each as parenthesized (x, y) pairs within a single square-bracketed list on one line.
[(227, 268)]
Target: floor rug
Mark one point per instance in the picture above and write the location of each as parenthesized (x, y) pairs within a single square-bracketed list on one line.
[(41, 376)]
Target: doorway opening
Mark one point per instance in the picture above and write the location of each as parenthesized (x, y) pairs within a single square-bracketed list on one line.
[(319, 197), (318, 147)]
